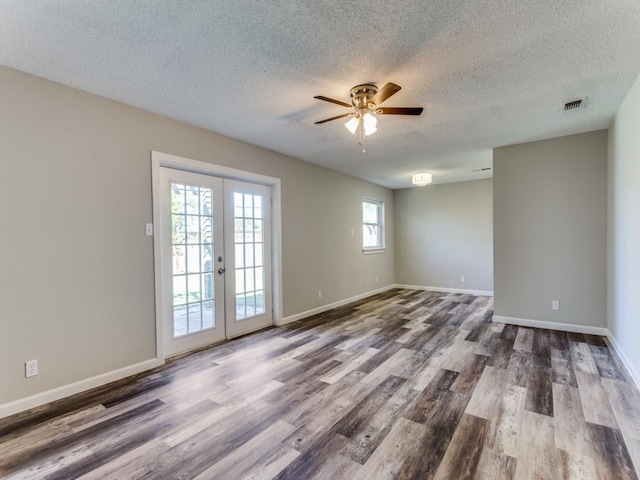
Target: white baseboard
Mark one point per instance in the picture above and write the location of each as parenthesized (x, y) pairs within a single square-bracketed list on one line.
[(49, 396), (486, 293), (625, 360), (324, 308), (565, 327)]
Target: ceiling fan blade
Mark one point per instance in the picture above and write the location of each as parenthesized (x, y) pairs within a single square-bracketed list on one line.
[(333, 118), (399, 111), (337, 102), (385, 92)]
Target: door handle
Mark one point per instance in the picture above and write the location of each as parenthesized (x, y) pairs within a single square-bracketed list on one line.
[(220, 271)]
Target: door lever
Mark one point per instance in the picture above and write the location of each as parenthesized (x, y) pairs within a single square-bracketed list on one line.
[(220, 271)]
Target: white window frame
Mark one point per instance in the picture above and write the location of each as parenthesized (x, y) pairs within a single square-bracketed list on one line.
[(380, 224)]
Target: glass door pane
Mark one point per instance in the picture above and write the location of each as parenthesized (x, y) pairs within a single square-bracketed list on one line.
[(192, 258), (249, 254)]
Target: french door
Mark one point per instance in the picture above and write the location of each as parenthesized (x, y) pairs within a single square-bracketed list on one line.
[(216, 259), (247, 225)]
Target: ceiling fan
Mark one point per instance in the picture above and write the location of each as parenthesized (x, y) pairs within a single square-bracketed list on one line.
[(365, 104)]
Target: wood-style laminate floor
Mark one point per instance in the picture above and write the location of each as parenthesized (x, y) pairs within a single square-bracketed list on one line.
[(403, 385)]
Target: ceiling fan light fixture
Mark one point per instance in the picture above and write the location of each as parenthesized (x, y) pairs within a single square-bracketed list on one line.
[(352, 125), (369, 122), (421, 179)]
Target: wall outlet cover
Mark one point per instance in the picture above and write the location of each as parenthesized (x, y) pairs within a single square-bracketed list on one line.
[(31, 368)]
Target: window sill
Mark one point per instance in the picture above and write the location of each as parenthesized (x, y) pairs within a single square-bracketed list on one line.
[(371, 251)]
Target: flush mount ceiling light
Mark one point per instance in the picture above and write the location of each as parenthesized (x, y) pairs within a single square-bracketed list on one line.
[(364, 108), (421, 178)]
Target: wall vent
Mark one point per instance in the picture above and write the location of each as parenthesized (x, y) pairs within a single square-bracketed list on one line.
[(574, 105)]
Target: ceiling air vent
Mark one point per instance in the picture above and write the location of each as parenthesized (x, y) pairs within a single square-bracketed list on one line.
[(574, 105)]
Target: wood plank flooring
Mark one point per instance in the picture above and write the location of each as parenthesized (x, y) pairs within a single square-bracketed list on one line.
[(402, 385)]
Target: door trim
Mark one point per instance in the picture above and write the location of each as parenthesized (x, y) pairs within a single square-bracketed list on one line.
[(159, 159)]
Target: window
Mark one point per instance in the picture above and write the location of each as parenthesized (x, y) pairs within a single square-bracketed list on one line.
[(372, 225)]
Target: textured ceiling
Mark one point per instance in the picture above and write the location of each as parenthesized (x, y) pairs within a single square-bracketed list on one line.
[(488, 73)]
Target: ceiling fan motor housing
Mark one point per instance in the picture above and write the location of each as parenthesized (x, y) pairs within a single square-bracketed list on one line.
[(362, 94)]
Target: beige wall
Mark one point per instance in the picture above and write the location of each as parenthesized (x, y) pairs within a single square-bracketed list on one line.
[(624, 230), (76, 270), (444, 232), (550, 229)]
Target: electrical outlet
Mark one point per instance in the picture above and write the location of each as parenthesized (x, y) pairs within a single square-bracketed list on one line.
[(377, 280), (461, 279), (31, 368), (319, 293), (555, 304)]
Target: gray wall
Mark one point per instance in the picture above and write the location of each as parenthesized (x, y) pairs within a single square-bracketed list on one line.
[(76, 270), (550, 200), (624, 230), (444, 232)]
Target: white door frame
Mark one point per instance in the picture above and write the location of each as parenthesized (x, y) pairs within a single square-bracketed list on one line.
[(159, 159)]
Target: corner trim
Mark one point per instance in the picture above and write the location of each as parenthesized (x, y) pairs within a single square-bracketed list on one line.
[(64, 391), (487, 293), (633, 373), (565, 327), (324, 308)]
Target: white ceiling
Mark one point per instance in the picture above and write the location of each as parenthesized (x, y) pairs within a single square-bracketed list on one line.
[(488, 73)]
